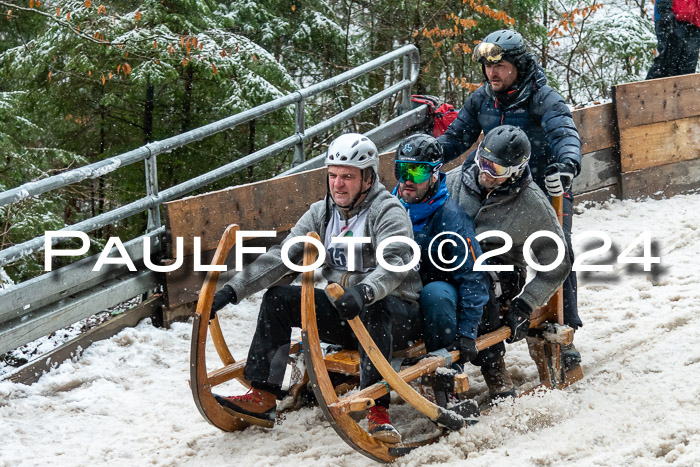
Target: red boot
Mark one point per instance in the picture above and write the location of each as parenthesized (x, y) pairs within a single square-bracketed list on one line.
[(256, 406), (380, 426)]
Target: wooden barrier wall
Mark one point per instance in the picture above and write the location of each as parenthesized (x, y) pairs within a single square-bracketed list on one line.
[(659, 127), (645, 143)]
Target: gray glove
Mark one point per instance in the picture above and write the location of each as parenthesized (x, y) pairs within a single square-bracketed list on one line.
[(559, 177)]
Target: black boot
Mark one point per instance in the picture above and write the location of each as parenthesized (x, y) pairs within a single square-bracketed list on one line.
[(498, 380)]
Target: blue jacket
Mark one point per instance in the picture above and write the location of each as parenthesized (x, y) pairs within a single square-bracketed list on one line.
[(472, 286), (535, 107)]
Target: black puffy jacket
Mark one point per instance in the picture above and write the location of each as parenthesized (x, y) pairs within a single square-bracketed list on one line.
[(535, 107)]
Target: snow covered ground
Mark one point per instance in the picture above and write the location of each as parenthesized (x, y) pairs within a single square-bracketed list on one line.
[(127, 400)]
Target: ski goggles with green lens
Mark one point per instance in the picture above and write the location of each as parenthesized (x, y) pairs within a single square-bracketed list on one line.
[(497, 170), (416, 172), (487, 52)]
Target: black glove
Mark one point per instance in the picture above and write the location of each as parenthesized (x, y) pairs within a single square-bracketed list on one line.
[(350, 304), (222, 298), (558, 178), (518, 320), (467, 348)]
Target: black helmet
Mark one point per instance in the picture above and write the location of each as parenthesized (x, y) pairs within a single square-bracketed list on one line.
[(418, 158), (508, 147), (420, 148), (505, 44)]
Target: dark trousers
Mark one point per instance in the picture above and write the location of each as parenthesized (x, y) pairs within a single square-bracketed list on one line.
[(678, 44), (570, 287), (391, 322), (510, 283)]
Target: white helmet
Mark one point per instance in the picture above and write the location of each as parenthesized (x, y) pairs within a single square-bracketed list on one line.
[(354, 150)]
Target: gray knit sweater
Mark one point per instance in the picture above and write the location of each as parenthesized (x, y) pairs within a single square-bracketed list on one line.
[(519, 210), (386, 218)]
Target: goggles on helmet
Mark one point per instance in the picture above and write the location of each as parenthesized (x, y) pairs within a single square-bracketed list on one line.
[(497, 170), (416, 172), (488, 52)]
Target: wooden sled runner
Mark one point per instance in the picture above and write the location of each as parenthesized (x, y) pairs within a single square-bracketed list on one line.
[(340, 410)]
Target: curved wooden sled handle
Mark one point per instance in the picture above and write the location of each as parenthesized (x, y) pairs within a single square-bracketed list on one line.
[(200, 381), (342, 423)]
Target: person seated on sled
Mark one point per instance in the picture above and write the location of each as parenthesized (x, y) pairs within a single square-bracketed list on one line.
[(357, 204), (498, 192), (453, 295)]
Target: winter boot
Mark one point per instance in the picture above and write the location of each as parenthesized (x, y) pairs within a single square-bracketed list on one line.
[(256, 406), (498, 380), (380, 426), (571, 356)]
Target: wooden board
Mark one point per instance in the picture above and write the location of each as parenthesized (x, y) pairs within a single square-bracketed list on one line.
[(345, 361), (598, 169), (184, 283), (268, 205), (658, 100), (663, 181), (601, 194), (657, 144), (596, 127)]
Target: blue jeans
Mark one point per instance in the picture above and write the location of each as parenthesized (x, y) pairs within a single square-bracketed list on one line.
[(438, 301)]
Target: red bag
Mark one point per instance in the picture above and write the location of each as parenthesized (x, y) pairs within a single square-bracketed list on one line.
[(443, 114)]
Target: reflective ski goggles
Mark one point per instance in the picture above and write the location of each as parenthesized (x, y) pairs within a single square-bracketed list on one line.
[(497, 170), (416, 172), (487, 52)]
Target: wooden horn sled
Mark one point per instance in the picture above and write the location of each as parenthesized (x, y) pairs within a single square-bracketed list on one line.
[(339, 410), (325, 371)]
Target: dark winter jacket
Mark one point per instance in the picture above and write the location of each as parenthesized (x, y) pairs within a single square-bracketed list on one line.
[(472, 286), (519, 209), (535, 107), (386, 218)]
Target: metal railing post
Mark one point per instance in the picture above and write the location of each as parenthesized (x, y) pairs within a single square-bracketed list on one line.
[(299, 128), (406, 92), (152, 190)]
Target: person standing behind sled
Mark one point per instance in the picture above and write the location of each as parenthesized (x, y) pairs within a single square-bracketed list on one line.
[(515, 92), (453, 295), (498, 192), (677, 26), (386, 302)]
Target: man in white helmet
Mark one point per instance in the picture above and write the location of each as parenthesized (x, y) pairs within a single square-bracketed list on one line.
[(356, 205)]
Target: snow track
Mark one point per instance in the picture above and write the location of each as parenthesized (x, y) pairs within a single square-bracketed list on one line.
[(127, 401)]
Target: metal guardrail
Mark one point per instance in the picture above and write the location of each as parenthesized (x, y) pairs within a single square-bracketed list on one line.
[(54, 300), (151, 150)]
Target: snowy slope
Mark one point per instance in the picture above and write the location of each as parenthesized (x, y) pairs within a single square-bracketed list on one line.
[(127, 401)]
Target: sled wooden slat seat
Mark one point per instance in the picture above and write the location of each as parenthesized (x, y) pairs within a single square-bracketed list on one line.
[(345, 361)]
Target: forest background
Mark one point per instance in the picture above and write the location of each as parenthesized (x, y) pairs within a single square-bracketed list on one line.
[(81, 81)]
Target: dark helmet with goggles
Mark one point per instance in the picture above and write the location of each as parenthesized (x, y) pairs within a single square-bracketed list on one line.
[(504, 44), (504, 152), (418, 157)]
